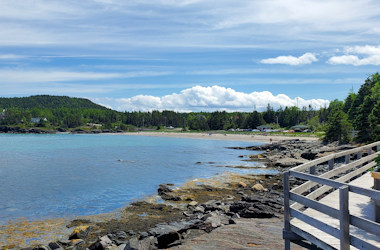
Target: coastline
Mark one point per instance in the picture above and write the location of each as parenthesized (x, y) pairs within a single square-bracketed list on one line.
[(143, 216), (220, 136)]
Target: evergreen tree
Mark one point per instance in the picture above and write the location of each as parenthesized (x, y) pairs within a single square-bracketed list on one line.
[(338, 127)]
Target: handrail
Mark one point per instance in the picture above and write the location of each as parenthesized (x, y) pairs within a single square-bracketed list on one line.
[(306, 195)]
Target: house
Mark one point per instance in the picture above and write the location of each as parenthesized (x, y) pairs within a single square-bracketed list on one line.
[(37, 119), (2, 115), (265, 127), (300, 128)]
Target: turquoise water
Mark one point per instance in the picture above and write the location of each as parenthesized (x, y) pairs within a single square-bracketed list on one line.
[(66, 175)]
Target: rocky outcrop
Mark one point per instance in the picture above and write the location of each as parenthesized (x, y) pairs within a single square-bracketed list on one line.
[(288, 154)]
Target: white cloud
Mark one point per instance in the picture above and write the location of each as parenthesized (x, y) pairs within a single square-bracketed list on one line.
[(370, 56), (209, 99), (306, 58), (10, 57), (41, 76)]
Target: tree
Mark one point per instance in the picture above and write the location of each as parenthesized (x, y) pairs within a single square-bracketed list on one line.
[(374, 121), (338, 127)]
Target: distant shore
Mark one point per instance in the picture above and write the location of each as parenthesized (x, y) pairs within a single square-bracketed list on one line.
[(219, 136)]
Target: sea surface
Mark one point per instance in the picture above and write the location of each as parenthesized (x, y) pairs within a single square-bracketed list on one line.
[(65, 175)]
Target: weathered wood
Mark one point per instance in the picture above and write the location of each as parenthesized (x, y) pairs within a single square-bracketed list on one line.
[(319, 243), (315, 205), (309, 223), (290, 235), (367, 225), (359, 155), (315, 223), (333, 156), (347, 159), (336, 184), (320, 191), (331, 164), (286, 208), (361, 244), (286, 200), (344, 218), (307, 185)]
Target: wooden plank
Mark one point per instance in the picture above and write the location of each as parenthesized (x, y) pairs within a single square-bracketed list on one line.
[(361, 244), (324, 189), (308, 185), (344, 218), (336, 184), (315, 205), (367, 225), (333, 156), (315, 223), (307, 236), (286, 208)]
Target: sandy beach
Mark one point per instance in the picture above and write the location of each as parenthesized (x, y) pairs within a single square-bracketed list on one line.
[(230, 137)]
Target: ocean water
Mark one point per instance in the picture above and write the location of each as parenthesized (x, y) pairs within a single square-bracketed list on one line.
[(64, 175)]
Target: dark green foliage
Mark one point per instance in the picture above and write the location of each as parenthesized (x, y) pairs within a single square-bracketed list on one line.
[(338, 127), (374, 120)]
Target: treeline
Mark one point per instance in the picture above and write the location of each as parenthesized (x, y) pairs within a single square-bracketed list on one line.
[(67, 112), (359, 112)]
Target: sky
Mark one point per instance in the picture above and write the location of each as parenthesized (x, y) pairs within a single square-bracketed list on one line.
[(189, 55)]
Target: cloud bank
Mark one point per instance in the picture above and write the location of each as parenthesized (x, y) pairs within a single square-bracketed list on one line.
[(210, 99), (306, 58), (370, 55)]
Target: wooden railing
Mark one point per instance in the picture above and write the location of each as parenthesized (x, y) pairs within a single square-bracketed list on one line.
[(323, 176)]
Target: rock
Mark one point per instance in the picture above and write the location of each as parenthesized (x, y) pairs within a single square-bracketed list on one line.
[(165, 240), (96, 246), (192, 204), (143, 235), (211, 205), (122, 235), (199, 209), (253, 212), (163, 188), (148, 243), (55, 246), (259, 187), (309, 155), (120, 247), (242, 184), (105, 241), (187, 214), (80, 232), (236, 216), (216, 219), (133, 244)]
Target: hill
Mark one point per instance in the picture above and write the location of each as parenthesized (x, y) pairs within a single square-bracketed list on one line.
[(48, 102)]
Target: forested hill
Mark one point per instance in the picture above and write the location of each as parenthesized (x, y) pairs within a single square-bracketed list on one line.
[(48, 102)]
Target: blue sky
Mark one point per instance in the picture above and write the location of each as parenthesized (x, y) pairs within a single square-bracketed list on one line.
[(189, 55)]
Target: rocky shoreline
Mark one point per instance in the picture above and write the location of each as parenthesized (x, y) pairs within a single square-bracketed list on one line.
[(197, 207)]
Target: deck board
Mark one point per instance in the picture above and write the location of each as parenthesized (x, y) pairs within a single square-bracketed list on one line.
[(359, 205)]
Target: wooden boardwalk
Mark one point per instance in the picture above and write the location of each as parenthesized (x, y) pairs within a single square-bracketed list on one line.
[(334, 207), (359, 205)]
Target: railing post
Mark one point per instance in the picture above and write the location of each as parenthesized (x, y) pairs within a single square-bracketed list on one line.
[(359, 155), (312, 171), (347, 159), (377, 148), (331, 164), (286, 208), (344, 218), (369, 151)]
